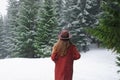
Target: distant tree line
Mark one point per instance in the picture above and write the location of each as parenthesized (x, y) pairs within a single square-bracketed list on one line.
[(30, 27)]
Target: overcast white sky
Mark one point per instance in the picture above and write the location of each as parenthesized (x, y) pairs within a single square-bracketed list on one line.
[(3, 7)]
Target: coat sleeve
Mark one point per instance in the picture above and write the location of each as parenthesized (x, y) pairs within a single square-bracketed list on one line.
[(76, 54), (54, 56)]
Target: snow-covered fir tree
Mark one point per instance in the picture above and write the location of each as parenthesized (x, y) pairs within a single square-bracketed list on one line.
[(90, 11), (78, 16), (27, 24), (91, 14), (10, 24), (47, 24), (59, 14), (2, 50), (72, 11), (59, 7)]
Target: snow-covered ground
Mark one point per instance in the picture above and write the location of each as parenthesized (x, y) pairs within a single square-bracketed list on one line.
[(93, 65)]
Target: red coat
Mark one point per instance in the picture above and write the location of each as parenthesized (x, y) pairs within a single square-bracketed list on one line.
[(64, 64)]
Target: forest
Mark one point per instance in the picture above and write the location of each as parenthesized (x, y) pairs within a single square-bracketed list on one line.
[(31, 27)]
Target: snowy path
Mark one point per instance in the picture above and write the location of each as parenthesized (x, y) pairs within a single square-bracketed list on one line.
[(93, 65)]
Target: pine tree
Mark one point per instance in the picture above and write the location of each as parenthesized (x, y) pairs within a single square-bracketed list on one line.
[(27, 24), (11, 26), (59, 14), (108, 30), (90, 10), (47, 24), (90, 14), (59, 7), (73, 17), (2, 50)]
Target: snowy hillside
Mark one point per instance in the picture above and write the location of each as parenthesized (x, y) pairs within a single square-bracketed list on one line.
[(93, 65)]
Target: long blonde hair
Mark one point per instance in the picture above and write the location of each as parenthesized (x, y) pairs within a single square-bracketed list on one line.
[(61, 47)]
